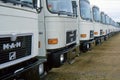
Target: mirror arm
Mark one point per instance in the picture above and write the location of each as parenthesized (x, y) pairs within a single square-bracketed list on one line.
[(39, 9)]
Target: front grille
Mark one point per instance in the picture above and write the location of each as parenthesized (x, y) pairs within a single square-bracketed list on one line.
[(106, 32), (101, 32), (91, 34), (70, 36), (12, 50)]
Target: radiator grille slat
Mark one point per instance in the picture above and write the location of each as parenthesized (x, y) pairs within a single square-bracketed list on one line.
[(91, 34), (70, 36), (21, 51)]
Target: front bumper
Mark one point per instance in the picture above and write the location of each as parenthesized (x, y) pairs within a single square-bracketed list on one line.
[(27, 70)]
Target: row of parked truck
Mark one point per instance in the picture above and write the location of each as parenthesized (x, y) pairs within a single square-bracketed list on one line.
[(38, 35)]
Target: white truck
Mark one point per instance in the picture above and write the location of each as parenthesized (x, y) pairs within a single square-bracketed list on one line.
[(117, 27), (103, 24), (111, 27), (98, 31), (107, 25), (86, 29), (59, 22), (19, 40)]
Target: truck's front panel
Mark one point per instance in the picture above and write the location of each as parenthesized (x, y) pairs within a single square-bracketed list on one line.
[(85, 24), (96, 21), (18, 36), (86, 29), (60, 29), (103, 23), (60, 23)]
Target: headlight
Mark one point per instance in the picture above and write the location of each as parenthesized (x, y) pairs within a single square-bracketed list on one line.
[(41, 69)]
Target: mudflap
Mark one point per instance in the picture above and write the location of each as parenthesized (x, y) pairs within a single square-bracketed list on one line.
[(72, 54)]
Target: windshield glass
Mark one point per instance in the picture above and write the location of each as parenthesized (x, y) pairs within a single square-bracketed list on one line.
[(107, 19), (85, 10), (103, 18), (96, 14), (23, 3), (110, 21), (27, 3), (60, 6)]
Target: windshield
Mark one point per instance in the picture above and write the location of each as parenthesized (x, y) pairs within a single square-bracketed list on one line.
[(102, 18), (60, 6), (110, 21), (107, 19), (96, 14), (85, 10), (23, 3)]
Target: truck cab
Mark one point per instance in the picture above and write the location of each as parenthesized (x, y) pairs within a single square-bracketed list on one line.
[(60, 28), (85, 25), (98, 31), (107, 25), (103, 25), (19, 40)]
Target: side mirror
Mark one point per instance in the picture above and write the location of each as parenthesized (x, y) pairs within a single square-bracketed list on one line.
[(37, 5)]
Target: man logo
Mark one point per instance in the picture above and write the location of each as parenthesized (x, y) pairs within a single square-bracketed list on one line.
[(12, 55), (8, 46)]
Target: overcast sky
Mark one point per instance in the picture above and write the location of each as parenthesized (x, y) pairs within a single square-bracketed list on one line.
[(110, 7)]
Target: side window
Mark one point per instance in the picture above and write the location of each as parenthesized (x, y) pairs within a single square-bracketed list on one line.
[(74, 6)]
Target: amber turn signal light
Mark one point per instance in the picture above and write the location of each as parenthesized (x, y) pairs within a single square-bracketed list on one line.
[(96, 33), (53, 41), (83, 35)]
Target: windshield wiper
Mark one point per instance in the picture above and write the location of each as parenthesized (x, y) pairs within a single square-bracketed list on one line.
[(64, 13), (69, 14), (26, 4), (87, 19), (97, 20)]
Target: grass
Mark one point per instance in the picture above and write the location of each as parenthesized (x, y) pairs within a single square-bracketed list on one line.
[(102, 63)]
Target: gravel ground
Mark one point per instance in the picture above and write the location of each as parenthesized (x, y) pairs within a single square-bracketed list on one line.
[(101, 63)]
